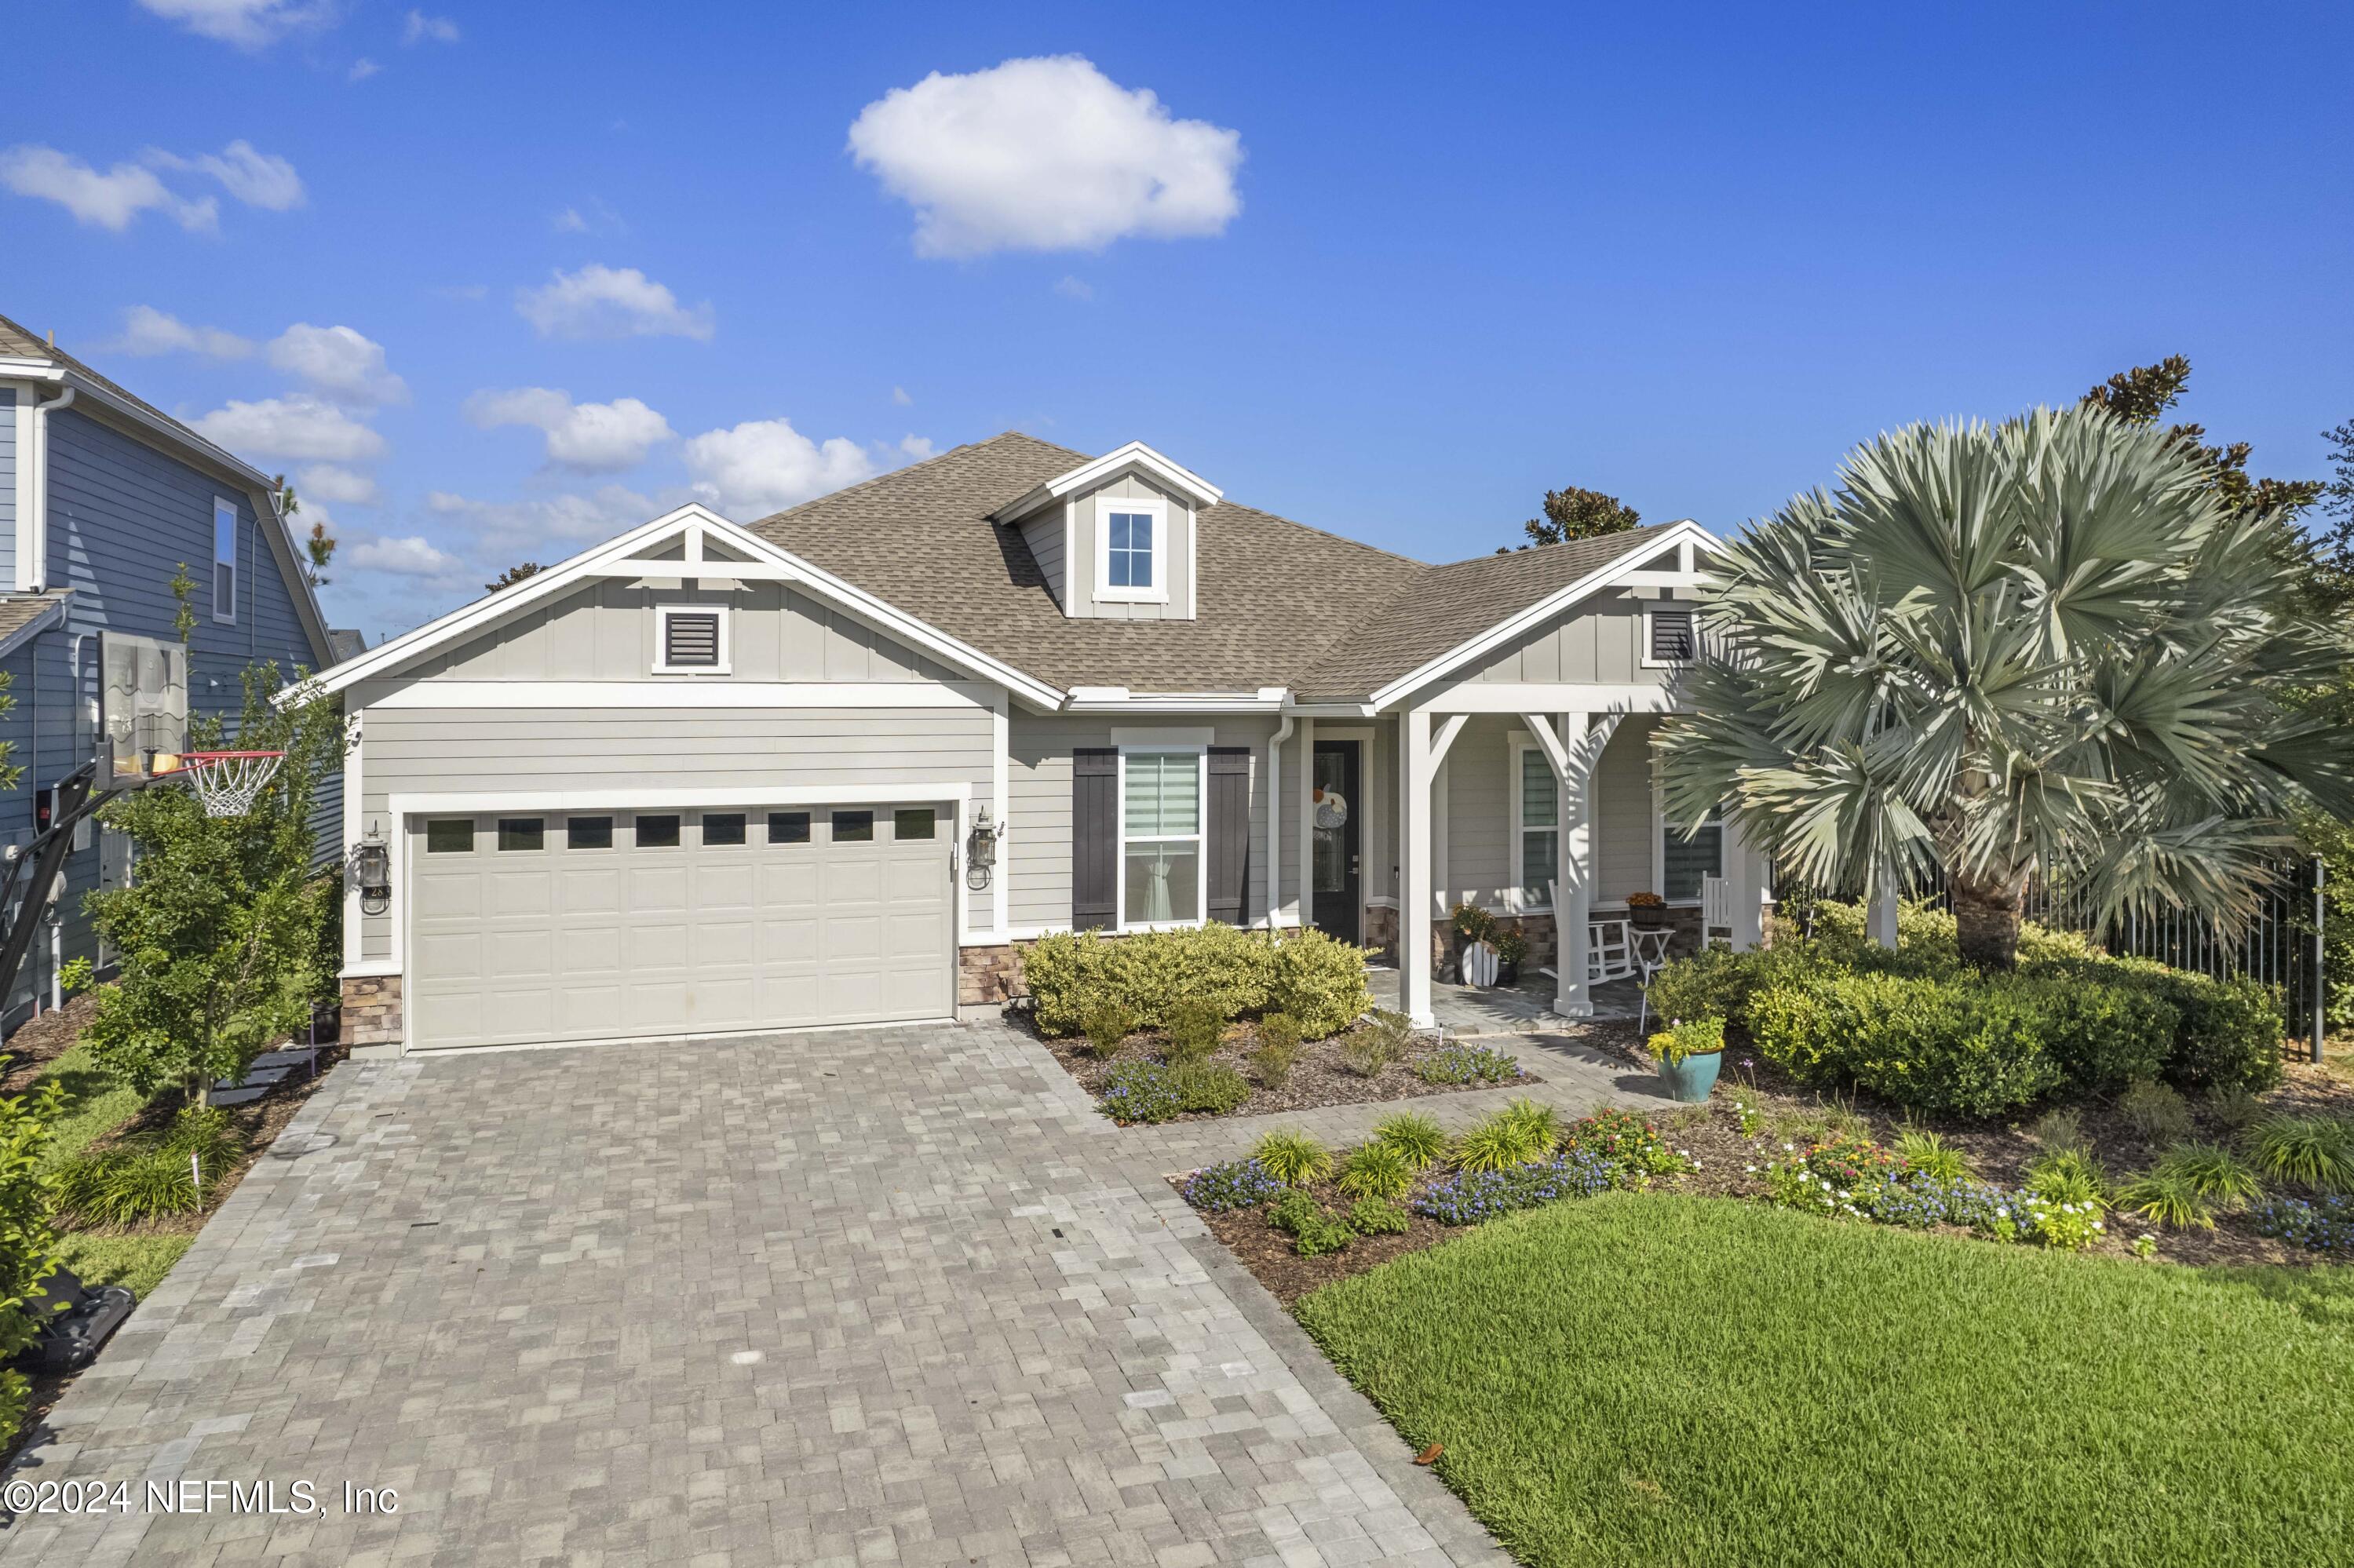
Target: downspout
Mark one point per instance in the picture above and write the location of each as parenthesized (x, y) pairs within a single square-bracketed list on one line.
[(1275, 818)]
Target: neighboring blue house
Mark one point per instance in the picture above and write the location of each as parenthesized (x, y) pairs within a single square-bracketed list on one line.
[(102, 497)]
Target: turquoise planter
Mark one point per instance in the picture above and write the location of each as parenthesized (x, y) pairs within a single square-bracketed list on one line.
[(1691, 1079)]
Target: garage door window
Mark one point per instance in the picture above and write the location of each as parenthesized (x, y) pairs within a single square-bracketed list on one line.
[(589, 833), (450, 836), (523, 832), (789, 827), (915, 822), (657, 833), (723, 827), (853, 827)]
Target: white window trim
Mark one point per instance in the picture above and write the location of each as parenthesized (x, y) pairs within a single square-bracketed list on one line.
[(1200, 836), (1520, 743), (663, 666), (1652, 609), (1157, 510), (1659, 840), (225, 613)]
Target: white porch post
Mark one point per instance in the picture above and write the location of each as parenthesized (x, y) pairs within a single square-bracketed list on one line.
[(1573, 895), (1747, 875), (1305, 792), (1414, 866)]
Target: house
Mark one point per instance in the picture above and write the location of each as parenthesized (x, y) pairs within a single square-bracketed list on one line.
[(103, 498), (837, 766)]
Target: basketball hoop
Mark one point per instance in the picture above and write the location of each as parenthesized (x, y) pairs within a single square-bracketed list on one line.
[(226, 782)]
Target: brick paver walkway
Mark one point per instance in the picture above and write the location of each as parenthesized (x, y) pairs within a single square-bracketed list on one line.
[(849, 1299)]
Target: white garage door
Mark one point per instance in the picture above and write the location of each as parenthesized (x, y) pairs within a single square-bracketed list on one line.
[(612, 925)]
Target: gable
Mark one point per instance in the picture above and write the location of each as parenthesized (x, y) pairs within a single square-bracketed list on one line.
[(606, 631)]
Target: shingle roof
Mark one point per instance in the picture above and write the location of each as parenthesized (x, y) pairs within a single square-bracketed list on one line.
[(1271, 593), (1447, 606), (19, 610), (18, 341)]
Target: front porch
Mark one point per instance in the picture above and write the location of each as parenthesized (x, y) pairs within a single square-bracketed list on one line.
[(1526, 1008)]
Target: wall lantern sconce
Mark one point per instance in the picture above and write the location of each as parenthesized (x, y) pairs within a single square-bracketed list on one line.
[(372, 872), (980, 849)]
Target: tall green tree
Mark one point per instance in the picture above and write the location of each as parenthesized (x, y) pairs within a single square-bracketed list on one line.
[(1574, 513), (2051, 647), (220, 931)]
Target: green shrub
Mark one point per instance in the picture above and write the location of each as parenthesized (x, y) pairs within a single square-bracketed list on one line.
[(1415, 1137), (2068, 1174), (1365, 1052), (2104, 1035), (2214, 1172), (1293, 1209), (2152, 1109), (1932, 1156), (2169, 1198), (1207, 1087), (1374, 1171), (208, 1133), (1521, 1133), (1149, 973), (1325, 1233), (29, 1242), (2312, 1152), (125, 1184), (2062, 1127), (1378, 1217), (1272, 1063), (1108, 1025), (2227, 1034), (2236, 1108), (1718, 983), (1196, 1026), (1967, 1045), (1294, 1158), (1320, 981), (1278, 1028), (1138, 1090)]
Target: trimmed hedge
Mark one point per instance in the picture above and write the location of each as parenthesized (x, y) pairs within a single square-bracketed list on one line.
[(1321, 982)]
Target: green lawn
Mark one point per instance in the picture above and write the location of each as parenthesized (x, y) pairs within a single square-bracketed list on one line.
[(1645, 1378), (139, 1262), (96, 1104)]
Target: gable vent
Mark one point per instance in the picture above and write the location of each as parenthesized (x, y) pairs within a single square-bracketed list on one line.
[(1671, 635), (691, 638)]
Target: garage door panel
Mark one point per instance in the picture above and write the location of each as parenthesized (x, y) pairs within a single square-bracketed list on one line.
[(513, 947)]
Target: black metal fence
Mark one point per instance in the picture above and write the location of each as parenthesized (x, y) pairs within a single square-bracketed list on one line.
[(2275, 948)]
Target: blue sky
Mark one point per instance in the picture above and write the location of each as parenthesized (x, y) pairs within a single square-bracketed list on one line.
[(1392, 272)]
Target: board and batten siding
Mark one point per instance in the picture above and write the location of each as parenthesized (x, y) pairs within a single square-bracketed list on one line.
[(1037, 858), (607, 633), (1482, 846), (1175, 554), (750, 753), (1600, 640)]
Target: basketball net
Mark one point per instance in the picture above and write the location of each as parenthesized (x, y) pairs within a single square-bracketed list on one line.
[(226, 783)]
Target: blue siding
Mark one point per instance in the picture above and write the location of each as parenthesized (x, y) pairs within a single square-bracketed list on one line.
[(7, 488), (121, 516)]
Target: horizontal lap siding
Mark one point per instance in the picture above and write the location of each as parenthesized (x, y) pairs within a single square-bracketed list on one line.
[(1037, 859), (1483, 848), (754, 750)]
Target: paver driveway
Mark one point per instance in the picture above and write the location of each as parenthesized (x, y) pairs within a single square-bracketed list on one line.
[(855, 1297)]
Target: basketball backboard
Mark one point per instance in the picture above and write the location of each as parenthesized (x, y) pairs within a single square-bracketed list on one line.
[(142, 707)]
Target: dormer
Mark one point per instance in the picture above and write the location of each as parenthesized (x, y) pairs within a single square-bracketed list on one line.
[(1116, 537)]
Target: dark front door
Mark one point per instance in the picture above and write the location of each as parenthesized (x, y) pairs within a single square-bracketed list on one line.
[(1337, 821)]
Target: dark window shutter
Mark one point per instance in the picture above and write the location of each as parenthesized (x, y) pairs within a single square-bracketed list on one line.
[(1095, 837), (1228, 825)]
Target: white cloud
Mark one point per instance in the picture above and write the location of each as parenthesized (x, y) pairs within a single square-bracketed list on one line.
[(914, 449), (412, 557), (111, 199), (298, 426), (570, 221), (248, 23), (146, 330), (338, 362), (362, 69), (1045, 155), (900, 396), (764, 465), (605, 301), (256, 178), (422, 29), (1072, 287), (323, 481), (526, 527), (588, 438)]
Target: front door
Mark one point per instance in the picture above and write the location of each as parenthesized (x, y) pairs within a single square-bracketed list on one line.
[(1337, 821)]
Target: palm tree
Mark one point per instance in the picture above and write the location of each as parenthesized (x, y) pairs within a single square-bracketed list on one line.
[(2044, 649)]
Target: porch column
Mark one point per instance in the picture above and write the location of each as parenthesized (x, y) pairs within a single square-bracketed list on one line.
[(1414, 866), (1304, 792), (1573, 896), (1879, 914), (1747, 877)]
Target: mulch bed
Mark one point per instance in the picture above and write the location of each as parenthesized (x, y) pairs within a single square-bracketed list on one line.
[(1318, 1078), (1710, 1133), (41, 1040)]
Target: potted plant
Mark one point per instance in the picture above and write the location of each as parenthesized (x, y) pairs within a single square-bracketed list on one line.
[(1649, 911), (1512, 951), (1475, 953), (1689, 1054)]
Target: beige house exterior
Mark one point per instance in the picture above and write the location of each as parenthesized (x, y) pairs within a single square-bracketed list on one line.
[(838, 766)]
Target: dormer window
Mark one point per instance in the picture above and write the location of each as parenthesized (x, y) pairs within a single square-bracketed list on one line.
[(1132, 550)]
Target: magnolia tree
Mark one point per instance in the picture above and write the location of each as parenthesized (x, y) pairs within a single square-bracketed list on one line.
[(2046, 648), (222, 930)]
